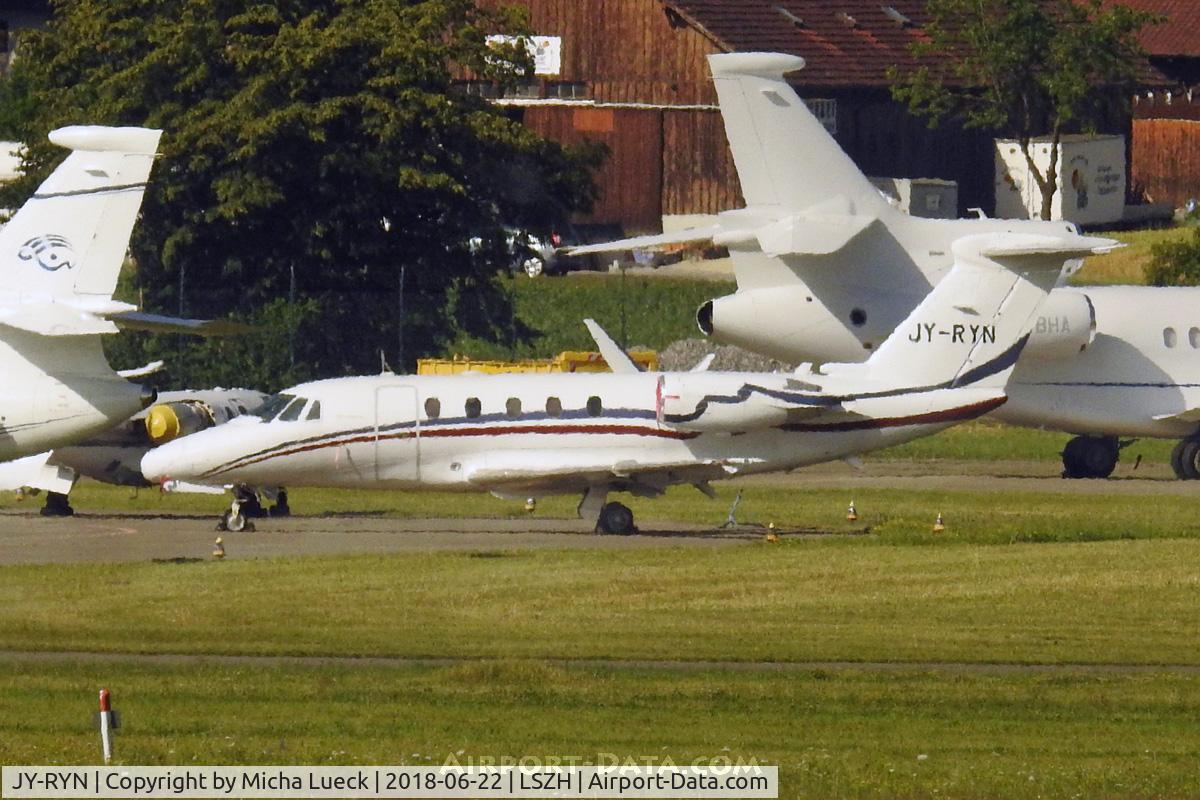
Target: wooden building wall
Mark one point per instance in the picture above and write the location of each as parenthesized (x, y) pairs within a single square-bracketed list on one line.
[(631, 180), (663, 160), (699, 176), (1166, 159), (627, 50)]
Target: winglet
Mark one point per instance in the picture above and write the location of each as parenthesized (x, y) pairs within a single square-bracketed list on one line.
[(618, 360)]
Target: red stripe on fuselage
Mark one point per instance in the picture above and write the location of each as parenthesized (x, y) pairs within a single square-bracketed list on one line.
[(507, 430)]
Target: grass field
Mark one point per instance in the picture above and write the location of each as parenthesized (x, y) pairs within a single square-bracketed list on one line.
[(833, 733), (1127, 265), (1127, 602), (897, 594)]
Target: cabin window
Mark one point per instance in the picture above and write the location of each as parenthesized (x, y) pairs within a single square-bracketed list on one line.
[(473, 408), (1169, 337), (273, 405), (554, 406), (314, 412), (594, 407), (292, 412), (433, 408), (1194, 338), (512, 407)]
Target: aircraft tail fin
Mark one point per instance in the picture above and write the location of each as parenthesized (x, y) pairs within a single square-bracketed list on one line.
[(972, 326), (70, 237), (783, 154)]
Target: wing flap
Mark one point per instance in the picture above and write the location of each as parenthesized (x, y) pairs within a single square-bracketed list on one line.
[(551, 470), (155, 323), (36, 472)]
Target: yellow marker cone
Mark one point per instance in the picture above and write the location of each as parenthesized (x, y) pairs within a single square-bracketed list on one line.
[(939, 524), (530, 505), (851, 513), (772, 536), (219, 548)]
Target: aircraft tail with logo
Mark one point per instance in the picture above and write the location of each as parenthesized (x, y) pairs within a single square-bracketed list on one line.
[(69, 239), (971, 328), (61, 253)]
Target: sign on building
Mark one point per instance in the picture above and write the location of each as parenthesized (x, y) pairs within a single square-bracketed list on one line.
[(546, 52), (1091, 179)]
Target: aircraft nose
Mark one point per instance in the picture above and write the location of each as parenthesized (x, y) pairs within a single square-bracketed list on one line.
[(171, 460)]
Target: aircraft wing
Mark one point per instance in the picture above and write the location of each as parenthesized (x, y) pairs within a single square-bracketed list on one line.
[(551, 470), (1187, 415), (654, 242), (54, 319), (36, 472), (155, 323)]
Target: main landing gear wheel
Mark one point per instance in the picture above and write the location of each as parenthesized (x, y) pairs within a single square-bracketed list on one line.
[(615, 518), (57, 505), (1185, 460), (1090, 457), (281, 508)]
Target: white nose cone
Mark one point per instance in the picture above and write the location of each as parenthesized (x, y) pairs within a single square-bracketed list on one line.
[(171, 460)]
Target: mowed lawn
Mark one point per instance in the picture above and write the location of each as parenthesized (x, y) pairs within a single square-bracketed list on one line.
[(833, 733), (1114, 602)]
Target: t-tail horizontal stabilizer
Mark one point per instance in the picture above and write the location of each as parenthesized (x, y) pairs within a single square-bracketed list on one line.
[(970, 330)]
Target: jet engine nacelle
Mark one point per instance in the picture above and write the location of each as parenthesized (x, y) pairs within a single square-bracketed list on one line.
[(1065, 326), (167, 421), (716, 403), (789, 323)]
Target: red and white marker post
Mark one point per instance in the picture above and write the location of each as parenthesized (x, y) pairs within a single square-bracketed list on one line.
[(106, 726)]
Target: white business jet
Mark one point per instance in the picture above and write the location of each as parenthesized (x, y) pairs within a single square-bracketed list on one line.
[(114, 456), (526, 435), (826, 268)]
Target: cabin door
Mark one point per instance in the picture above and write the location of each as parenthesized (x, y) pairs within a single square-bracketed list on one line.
[(397, 434)]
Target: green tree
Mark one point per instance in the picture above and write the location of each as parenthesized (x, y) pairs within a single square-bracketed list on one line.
[(1175, 263), (314, 151), (1024, 68)]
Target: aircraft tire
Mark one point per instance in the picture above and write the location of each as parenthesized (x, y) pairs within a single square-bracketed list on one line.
[(1090, 457), (533, 266), (281, 508), (1177, 460), (57, 505), (235, 522), (1072, 458), (615, 518), (1189, 459)]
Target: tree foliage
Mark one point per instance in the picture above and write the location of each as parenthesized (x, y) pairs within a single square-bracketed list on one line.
[(1175, 263), (311, 150), (1025, 68)]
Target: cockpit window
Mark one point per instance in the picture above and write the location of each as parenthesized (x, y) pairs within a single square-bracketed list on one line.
[(273, 405), (292, 412), (314, 411)]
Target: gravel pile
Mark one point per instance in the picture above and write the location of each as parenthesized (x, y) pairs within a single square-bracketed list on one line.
[(684, 354)]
